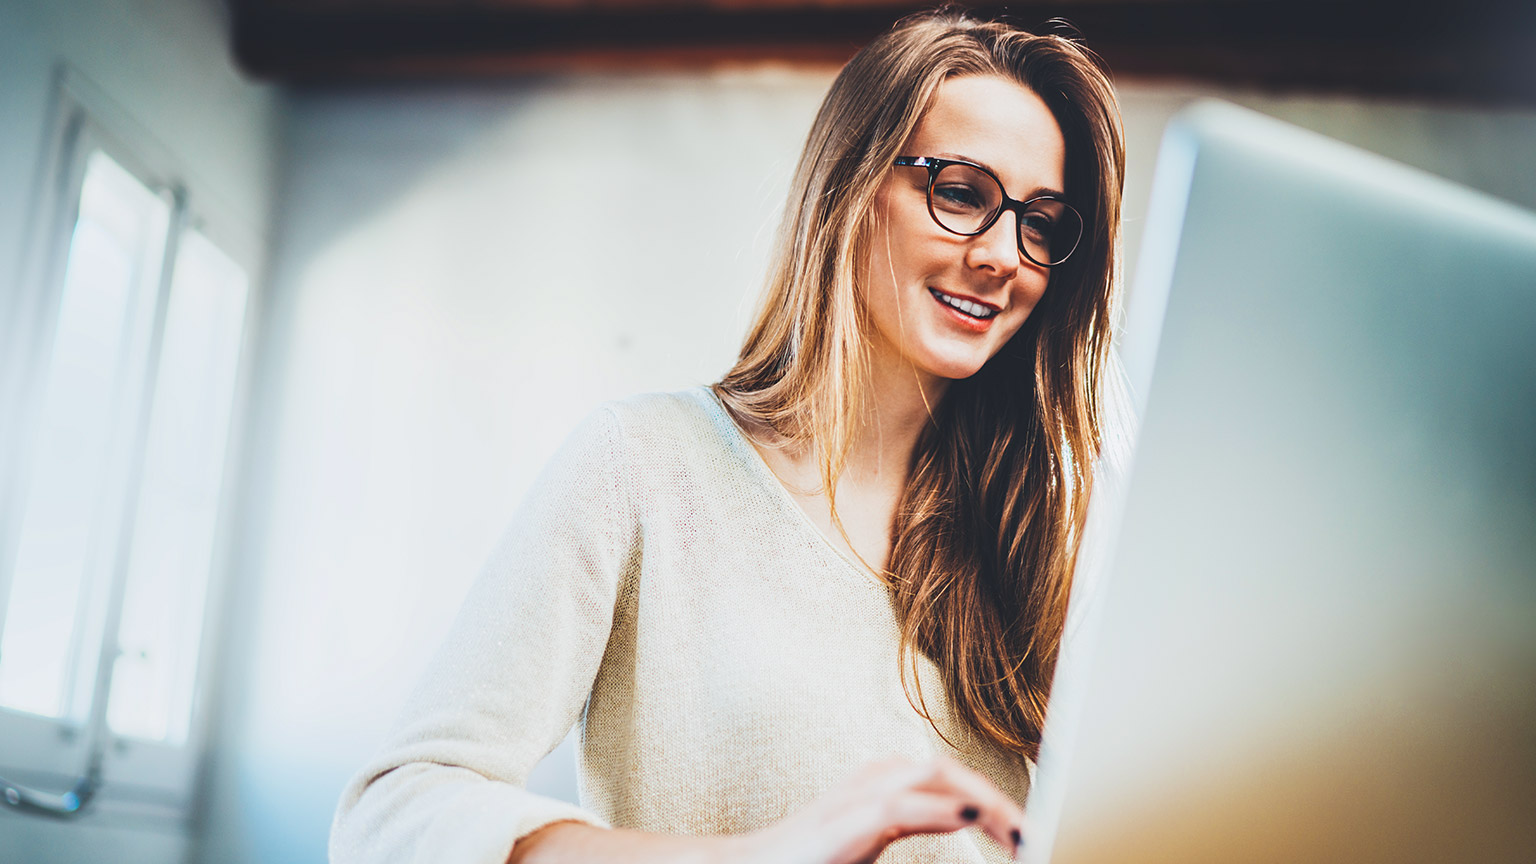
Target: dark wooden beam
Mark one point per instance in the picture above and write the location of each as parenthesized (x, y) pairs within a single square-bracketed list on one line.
[(1481, 51)]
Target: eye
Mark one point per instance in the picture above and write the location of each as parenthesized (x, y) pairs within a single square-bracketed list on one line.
[(959, 198), (1037, 225)]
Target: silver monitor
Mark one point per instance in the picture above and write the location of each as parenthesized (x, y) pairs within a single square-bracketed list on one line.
[(1313, 637)]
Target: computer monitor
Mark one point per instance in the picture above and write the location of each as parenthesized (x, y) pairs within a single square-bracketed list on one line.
[(1313, 636)]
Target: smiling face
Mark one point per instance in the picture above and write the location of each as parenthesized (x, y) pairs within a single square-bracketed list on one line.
[(940, 303)]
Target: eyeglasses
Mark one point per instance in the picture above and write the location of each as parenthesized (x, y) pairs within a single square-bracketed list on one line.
[(966, 199)]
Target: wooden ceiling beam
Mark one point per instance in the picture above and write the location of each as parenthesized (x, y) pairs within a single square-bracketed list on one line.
[(1479, 51)]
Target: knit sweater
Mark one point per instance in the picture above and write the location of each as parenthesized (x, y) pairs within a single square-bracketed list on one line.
[(726, 662)]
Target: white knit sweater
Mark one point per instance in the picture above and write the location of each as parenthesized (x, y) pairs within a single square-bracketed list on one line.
[(725, 662)]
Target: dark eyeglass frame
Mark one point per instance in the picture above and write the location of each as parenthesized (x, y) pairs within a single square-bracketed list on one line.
[(935, 164)]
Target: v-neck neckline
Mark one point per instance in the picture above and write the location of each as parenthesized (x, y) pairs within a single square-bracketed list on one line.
[(774, 487)]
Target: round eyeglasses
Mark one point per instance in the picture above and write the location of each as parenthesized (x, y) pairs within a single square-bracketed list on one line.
[(966, 199)]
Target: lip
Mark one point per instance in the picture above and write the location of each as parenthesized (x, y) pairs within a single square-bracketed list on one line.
[(975, 325)]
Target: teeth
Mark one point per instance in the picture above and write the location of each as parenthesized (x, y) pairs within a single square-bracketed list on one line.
[(975, 310)]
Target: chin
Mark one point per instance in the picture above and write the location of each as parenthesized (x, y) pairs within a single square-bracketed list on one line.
[(955, 369)]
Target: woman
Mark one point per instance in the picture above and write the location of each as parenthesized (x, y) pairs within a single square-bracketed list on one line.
[(812, 612)]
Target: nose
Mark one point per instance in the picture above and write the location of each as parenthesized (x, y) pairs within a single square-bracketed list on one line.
[(996, 250)]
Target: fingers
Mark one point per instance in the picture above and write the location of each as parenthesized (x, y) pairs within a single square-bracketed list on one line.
[(942, 795), (1000, 816), (884, 802), (929, 813)]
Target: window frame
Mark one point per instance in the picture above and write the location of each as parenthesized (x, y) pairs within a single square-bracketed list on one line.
[(140, 779)]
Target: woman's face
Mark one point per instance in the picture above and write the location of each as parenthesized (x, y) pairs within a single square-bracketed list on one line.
[(917, 271)]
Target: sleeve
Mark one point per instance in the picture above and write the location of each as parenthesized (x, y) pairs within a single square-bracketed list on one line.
[(509, 682)]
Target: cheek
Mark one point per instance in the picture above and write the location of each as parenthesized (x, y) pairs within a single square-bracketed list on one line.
[(890, 266), (1031, 290), (904, 242), (885, 253), (1037, 289), (873, 289), (875, 264)]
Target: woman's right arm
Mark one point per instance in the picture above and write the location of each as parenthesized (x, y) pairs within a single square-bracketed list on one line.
[(851, 824), (511, 679)]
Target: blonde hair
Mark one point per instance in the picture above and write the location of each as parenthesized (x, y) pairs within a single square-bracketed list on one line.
[(988, 526)]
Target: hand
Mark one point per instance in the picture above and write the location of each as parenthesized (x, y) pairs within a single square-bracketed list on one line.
[(853, 822)]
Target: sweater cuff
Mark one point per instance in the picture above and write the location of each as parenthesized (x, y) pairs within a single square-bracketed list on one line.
[(439, 814), (484, 828)]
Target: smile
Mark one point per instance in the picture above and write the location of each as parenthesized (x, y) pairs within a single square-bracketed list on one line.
[(974, 310)]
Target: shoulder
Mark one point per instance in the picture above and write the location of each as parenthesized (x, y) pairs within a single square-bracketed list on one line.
[(676, 446), (684, 418)]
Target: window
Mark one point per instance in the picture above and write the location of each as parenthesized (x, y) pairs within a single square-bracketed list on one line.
[(112, 503)]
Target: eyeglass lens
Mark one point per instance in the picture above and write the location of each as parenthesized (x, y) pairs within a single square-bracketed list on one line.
[(963, 199)]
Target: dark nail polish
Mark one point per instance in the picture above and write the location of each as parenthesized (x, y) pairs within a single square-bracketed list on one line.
[(969, 813), (1018, 839)]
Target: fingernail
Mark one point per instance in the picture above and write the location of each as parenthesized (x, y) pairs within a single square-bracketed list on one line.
[(969, 813)]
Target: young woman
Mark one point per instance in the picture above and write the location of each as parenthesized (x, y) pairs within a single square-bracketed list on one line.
[(810, 615)]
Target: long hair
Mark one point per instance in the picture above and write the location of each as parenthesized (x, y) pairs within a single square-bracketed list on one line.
[(988, 526)]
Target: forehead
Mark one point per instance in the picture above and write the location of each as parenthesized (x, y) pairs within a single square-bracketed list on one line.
[(998, 123)]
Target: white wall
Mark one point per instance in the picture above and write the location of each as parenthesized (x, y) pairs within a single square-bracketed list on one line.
[(462, 272), (163, 66)]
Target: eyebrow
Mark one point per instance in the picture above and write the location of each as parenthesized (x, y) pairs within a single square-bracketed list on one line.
[(1037, 192)]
